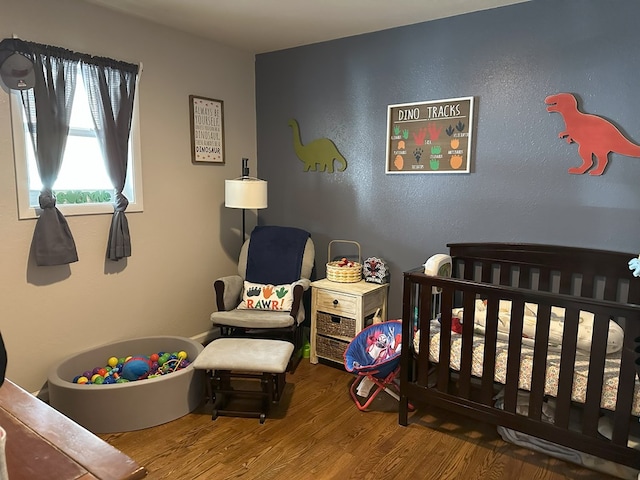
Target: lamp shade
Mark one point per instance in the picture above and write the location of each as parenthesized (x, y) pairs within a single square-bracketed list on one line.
[(245, 192)]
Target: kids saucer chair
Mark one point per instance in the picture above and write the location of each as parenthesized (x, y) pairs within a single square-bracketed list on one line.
[(374, 354)]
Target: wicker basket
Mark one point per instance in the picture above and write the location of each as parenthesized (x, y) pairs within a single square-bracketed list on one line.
[(336, 273), (335, 325), (331, 348)]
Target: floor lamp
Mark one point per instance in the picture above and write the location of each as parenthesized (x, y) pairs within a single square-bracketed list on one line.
[(245, 192)]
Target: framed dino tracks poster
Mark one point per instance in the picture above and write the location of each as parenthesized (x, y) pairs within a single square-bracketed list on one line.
[(430, 137)]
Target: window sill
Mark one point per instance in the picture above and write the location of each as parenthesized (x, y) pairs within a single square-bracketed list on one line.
[(80, 209)]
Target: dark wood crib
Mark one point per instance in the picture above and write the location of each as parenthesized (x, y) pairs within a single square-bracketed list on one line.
[(574, 279)]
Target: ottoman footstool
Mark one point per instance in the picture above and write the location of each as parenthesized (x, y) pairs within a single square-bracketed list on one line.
[(252, 360)]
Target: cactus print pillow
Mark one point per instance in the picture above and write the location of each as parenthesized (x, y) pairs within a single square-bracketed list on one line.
[(256, 296)]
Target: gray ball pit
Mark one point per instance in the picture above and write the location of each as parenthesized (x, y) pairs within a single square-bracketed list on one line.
[(124, 407)]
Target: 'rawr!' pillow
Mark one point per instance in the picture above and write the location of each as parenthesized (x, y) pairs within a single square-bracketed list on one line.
[(257, 296)]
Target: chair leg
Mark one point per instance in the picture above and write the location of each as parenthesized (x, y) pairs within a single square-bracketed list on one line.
[(381, 385), (295, 338)]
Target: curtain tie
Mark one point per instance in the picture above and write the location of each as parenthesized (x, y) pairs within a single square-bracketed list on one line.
[(121, 202), (47, 199)]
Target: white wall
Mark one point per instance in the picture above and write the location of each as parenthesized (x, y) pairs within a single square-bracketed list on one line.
[(183, 240)]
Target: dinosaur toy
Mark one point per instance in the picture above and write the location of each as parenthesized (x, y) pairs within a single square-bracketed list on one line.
[(634, 266), (594, 135), (319, 153)]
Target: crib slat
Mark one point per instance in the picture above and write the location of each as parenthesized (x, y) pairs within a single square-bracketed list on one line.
[(407, 362), (464, 381), (567, 365), (634, 292), (544, 280), (444, 358), (513, 355), (425, 299), (538, 372), (611, 289), (625, 394), (489, 358), (505, 274), (588, 286), (487, 270), (566, 283), (591, 411), (524, 280), (468, 269)]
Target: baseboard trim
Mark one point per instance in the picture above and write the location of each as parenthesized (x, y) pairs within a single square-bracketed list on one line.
[(206, 337)]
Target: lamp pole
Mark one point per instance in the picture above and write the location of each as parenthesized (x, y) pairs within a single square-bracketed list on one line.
[(245, 175)]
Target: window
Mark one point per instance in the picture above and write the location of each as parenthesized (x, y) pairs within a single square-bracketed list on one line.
[(83, 186)]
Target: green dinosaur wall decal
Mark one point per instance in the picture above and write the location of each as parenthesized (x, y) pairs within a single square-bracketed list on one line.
[(318, 154)]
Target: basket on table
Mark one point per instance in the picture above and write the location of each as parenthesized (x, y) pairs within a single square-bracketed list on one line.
[(344, 274)]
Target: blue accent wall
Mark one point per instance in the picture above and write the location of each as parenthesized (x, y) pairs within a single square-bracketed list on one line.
[(509, 59)]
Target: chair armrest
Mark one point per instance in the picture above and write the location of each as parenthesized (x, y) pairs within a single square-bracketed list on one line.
[(304, 282), (299, 288), (297, 299), (228, 291)]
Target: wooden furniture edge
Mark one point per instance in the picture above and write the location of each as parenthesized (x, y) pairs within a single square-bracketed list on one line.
[(94, 454)]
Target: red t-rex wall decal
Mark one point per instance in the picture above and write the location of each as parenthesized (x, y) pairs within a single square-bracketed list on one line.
[(594, 135)]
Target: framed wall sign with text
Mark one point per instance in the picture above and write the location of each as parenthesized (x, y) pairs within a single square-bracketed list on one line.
[(430, 137), (207, 129)]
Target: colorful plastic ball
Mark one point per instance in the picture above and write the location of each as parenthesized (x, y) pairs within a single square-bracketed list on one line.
[(122, 380), (182, 355), (109, 380), (154, 357), (82, 379), (87, 374), (112, 362), (136, 368), (102, 372), (98, 380)]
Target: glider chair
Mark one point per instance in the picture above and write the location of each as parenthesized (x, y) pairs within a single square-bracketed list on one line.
[(265, 298)]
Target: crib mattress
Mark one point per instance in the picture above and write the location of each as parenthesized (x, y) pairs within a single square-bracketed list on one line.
[(581, 371)]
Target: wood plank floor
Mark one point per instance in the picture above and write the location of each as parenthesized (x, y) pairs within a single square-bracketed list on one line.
[(316, 432)]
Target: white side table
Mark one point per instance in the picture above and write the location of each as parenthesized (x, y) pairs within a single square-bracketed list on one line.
[(339, 311)]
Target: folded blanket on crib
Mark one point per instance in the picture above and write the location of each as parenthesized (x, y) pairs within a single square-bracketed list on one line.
[(556, 327)]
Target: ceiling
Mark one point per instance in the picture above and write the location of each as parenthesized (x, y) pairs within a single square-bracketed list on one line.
[(260, 26)]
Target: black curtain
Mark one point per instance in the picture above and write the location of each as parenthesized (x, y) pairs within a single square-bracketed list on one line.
[(111, 89), (48, 109)]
